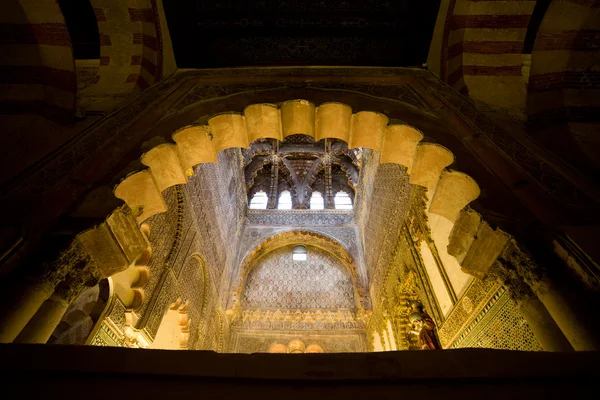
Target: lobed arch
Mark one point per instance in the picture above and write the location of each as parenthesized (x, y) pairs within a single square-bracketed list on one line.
[(170, 164), (427, 164), (201, 264)]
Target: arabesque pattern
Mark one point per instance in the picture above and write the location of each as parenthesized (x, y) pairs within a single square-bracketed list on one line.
[(277, 281)]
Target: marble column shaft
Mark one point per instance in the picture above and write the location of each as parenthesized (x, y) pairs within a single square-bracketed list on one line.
[(568, 315), (44, 322), (26, 299), (543, 326), (567, 309)]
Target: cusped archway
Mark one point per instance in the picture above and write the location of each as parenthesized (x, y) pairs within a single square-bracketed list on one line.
[(324, 249), (427, 163)]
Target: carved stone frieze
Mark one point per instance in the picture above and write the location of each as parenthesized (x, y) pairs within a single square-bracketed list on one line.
[(515, 260), (332, 341), (504, 274), (299, 218), (286, 319), (71, 272), (497, 325)]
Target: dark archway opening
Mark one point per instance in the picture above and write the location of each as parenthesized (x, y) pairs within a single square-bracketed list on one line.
[(83, 28)]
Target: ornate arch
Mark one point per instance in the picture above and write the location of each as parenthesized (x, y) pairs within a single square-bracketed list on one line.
[(201, 263), (305, 238), (400, 144), (170, 164)]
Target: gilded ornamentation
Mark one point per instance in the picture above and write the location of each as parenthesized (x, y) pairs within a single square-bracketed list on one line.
[(300, 237), (478, 293), (423, 327), (306, 320)]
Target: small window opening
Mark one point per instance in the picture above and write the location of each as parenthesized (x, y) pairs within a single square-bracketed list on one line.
[(299, 253), (259, 201), (342, 201), (316, 201), (285, 201)]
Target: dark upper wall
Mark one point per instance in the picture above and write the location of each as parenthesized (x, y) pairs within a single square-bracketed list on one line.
[(215, 34)]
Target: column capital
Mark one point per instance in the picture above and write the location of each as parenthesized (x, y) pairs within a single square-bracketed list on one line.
[(55, 272), (508, 277), (517, 258), (81, 271)]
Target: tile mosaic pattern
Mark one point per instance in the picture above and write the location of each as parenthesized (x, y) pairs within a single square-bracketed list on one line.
[(280, 282)]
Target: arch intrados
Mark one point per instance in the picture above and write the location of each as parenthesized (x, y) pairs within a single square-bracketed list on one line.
[(201, 263)]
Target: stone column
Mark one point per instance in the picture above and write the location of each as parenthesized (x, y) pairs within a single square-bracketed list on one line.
[(531, 309), (565, 308), (43, 323), (568, 316), (46, 302), (26, 300), (543, 326)]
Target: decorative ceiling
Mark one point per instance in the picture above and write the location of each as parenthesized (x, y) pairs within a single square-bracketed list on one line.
[(221, 33), (301, 166)]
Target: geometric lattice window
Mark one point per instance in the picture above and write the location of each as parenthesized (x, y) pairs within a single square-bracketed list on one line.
[(342, 201), (259, 201), (285, 201), (299, 253), (316, 201)]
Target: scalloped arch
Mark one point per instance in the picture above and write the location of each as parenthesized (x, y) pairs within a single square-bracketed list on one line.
[(169, 164)]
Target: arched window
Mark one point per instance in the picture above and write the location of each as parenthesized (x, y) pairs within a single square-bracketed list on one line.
[(285, 201), (259, 201), (342, 201), (316, 201), (299, 253)]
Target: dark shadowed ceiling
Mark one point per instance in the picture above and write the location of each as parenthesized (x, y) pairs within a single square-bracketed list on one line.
[(211, 33)]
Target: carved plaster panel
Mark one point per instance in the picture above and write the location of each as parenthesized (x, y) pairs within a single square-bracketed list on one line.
[(278, 282), (251, 341), (300, 218)]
